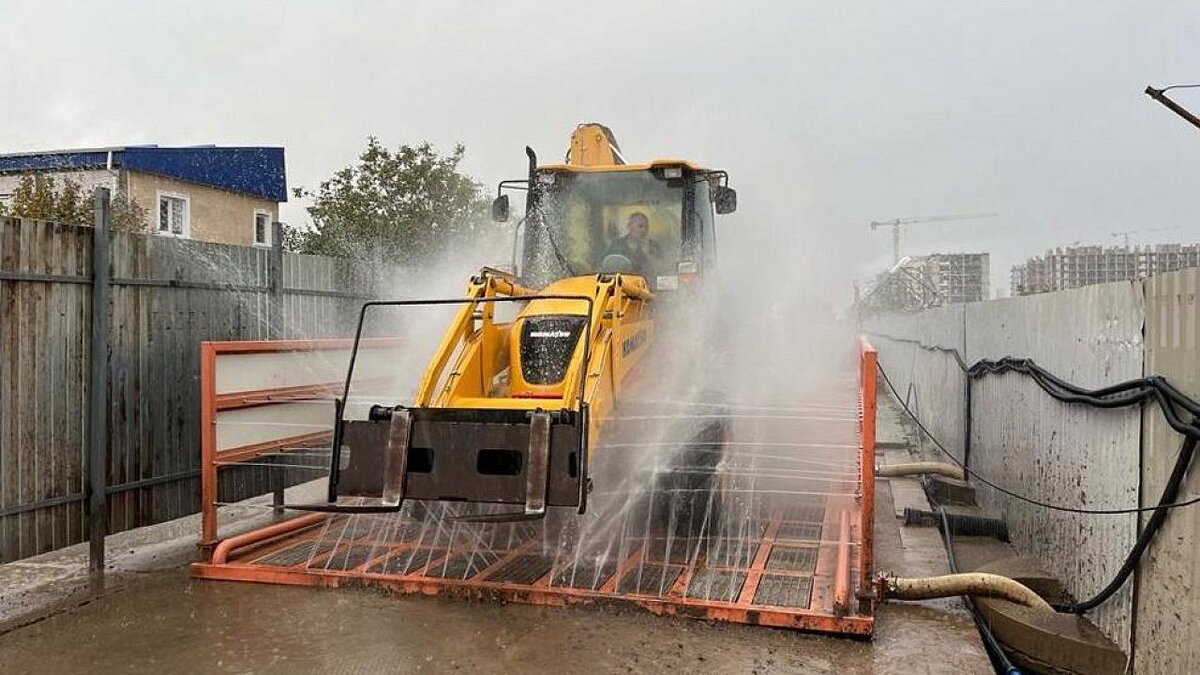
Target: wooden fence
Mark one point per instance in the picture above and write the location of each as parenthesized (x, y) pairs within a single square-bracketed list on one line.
[(166, 296)]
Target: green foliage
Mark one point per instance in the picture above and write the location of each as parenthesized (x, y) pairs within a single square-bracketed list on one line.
[(35, 198), (399, 206), (127, 214), (40, 197)]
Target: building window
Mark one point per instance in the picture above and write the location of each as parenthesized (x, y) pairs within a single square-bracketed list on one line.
[(173, 215), (262, 228)]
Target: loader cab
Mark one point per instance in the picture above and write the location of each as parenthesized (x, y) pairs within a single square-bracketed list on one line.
[(578, 222)]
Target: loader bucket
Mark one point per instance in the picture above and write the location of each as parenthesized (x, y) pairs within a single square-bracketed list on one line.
[(492, 456)]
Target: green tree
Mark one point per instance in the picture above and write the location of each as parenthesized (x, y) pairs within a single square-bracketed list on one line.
[(70, 205), (34, 197), (399, 206), (37, 196), (125, 213)]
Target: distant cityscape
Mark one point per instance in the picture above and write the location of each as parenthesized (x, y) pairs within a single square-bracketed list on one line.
[(920, 282), (1076, 266)]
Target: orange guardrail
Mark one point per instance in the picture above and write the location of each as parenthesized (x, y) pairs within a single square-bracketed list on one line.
[(213, 402), (868, 361)]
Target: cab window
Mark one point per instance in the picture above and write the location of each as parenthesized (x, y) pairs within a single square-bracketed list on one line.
[(583, 218)]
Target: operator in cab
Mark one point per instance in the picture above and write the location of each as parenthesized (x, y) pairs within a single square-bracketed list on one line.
[(636, 246)]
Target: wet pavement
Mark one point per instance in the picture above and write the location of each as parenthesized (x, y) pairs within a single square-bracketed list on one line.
[(152, 618), (164, 622), (167, 623)]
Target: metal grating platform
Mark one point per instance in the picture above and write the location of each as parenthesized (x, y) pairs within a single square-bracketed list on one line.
[(768, 580), (714, 584), (794, 551), (802, 559), (524, 569), (783, 591)]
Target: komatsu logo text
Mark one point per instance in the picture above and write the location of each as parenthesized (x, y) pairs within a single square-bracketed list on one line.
[(632, 342)]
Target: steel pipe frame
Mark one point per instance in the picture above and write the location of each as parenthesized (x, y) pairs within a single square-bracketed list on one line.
[(840, 618)]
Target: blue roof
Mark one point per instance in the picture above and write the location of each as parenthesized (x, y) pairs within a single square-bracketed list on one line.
[(257, 171)]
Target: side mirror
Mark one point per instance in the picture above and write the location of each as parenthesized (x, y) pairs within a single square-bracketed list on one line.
[(500, 209), (725, 200)]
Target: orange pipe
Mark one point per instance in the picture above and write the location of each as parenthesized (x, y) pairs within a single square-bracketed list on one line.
[(258, 346), (841, 579), (866, 555), (221, 554), (208, 445)]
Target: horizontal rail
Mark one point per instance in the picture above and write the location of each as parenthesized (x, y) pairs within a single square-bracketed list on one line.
[(256, 397), (37, 277), (112, 489)]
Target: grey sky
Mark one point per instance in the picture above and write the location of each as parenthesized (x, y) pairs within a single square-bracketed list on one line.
[(828, 115)]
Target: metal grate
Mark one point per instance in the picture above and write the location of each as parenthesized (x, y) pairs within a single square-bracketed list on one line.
[(407, 561), (585, 574), (524, 569), (783, 591), (463, 565), (810, 512), (799, 532), (793, 559), (711, 584), (649, 579), (296, 554), (731, 552), (349, 557), (677, 550)]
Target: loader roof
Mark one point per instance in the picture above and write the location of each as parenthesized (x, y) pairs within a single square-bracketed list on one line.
[(641, 166)]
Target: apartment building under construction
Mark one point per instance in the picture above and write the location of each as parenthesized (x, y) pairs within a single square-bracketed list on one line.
[(933, 280), (1076, 266)]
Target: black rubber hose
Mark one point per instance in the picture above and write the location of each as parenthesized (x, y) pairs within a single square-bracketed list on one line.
[(1122, 394), (1011, 493), (1028, 366), (1147, 535), (960, 524), (1000, 660), (1130, 392)]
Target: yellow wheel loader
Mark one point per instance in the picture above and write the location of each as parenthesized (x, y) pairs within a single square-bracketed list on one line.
[(511, 411)]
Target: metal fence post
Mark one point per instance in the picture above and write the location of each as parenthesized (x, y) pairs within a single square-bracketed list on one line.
[(97, 503), (275, 332), (275, 272)]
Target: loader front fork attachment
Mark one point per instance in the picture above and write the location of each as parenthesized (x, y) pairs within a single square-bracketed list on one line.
[(537, 475), (534, 459)]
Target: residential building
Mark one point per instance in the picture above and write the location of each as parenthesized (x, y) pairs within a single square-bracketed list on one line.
[(1076, 266), (209, 193), (958, 277), (933, 280)]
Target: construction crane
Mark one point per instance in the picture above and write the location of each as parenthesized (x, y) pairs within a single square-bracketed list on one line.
[(897, 223), (1124, 234)]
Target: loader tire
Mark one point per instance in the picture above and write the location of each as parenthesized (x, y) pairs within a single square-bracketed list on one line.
[(691, 499)]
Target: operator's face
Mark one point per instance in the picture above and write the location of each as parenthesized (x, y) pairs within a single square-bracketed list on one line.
[(637, 227)]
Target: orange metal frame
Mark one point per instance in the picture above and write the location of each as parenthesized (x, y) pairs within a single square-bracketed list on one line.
[(841, 597), (211, 459), (868, 368)]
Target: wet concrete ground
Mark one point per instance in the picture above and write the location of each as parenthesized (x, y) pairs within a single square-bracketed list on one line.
[(152, 618), (166, 623), (163, 622)]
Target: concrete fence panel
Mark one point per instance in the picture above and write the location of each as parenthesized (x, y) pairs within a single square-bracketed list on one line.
[(1066, 454), (1167, 581)]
